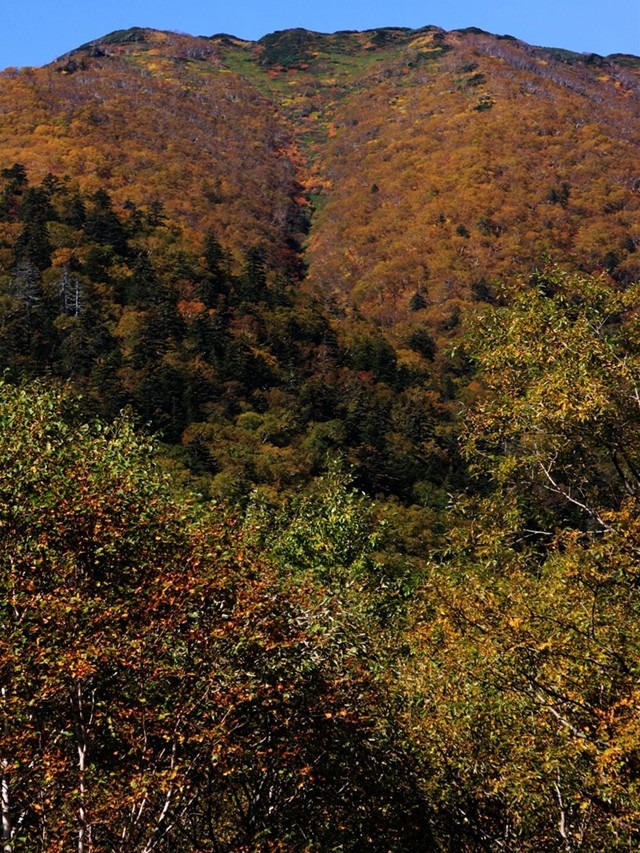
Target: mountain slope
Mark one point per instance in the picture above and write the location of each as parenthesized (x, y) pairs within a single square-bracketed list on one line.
[(154, 116), (445, 160), (432, 162)]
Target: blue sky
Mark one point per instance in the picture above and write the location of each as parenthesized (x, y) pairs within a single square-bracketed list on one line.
[(33, 32)]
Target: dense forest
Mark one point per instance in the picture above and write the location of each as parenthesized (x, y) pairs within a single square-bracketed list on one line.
[(319, 445)]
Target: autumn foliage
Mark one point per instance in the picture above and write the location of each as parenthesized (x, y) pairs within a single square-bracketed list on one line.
[(372, 584)]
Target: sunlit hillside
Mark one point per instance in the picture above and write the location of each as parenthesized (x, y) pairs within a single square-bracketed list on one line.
[(428, 163)]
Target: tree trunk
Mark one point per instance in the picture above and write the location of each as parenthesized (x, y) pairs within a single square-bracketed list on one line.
[(82, 723), (5, 795)]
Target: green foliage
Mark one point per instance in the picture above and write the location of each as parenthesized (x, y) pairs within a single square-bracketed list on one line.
[(328, 531), (102, 225), (15, 182), (561, 368), (286, 48), (422, 342), (335, 536)]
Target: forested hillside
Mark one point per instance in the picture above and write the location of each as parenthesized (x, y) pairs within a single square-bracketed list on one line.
[(319, 445)]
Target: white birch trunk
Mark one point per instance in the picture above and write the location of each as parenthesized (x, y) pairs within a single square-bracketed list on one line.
[(7, 846), (5, 795), (84, 830)]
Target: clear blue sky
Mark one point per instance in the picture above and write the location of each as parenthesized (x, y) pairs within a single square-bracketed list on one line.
[(33, 32)]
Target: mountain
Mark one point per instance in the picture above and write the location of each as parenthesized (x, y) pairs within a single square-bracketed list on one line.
[(406, 161), (204, 226), (373, 585)]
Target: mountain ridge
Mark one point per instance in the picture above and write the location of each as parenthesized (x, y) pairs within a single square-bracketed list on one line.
[(130, 34)]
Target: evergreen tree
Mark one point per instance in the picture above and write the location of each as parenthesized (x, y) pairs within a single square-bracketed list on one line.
[(103, 226), (33, 243)]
